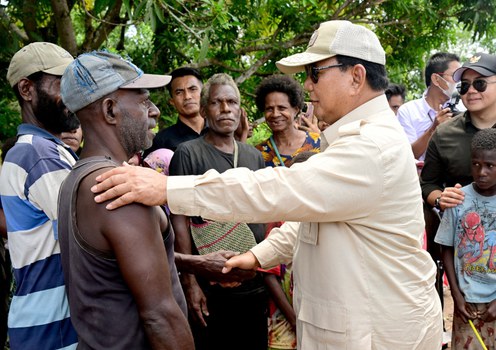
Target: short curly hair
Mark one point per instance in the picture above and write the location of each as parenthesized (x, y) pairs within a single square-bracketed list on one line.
[(283, 84), (218, 79), (485, 140)]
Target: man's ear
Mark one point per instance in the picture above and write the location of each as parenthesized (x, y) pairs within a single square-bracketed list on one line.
[(25, 88), (171, 102), (359, 76), (203, 113), (435, 79), (109, 110)]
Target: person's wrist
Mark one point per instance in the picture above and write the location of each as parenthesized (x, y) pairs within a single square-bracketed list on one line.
[(457, 297), (256, 262), (437, 203)]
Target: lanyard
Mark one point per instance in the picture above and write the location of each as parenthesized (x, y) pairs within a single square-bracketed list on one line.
[(272, 142), (235, 154)]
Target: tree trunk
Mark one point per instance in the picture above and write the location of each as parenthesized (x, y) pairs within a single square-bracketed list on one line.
[(64, 26), (29, 20)]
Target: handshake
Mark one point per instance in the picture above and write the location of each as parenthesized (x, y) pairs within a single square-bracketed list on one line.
[(223, 267)]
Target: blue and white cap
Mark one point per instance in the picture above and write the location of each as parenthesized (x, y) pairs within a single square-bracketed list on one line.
[(94, 75)]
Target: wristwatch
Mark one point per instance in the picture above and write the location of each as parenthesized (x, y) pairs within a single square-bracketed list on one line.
[(437, 203)]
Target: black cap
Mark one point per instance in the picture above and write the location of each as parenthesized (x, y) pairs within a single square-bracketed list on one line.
[(482, 63)]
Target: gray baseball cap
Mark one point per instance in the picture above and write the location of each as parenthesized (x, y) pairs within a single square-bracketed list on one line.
[(94, 75)]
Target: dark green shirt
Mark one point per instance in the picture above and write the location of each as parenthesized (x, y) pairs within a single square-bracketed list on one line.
[(447, 161)]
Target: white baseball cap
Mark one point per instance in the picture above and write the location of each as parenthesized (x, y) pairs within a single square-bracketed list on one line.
[(336, 38)]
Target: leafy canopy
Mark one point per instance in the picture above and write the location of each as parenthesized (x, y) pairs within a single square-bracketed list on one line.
[(241, 37)]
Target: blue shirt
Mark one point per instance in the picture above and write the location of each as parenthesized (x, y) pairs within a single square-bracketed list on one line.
[(31, 177), (470, 229)]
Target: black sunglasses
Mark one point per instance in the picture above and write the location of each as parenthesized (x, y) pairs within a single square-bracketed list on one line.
[(478, 84), (313, 72)]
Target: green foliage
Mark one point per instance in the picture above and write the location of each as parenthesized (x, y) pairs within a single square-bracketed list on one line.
[(9, 118), (477, 17), (245, 37), (261, 132)]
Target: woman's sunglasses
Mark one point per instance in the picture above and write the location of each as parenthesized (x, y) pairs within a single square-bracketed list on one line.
[(478, 84)]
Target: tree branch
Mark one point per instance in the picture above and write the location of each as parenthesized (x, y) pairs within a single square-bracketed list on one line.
[(296, 41), (215, 62), (169, 9), (254, 67), (15, 29), (106, 25), (337, 13), (270, 53), (382, 24), (362, 7)]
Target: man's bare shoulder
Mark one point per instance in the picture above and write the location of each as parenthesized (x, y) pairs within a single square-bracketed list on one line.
[(102, 226)]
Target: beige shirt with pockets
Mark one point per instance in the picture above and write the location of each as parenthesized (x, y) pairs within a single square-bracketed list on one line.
[(362, 280)]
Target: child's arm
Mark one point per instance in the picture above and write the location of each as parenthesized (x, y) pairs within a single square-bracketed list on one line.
[(464, 309), (280, 299)]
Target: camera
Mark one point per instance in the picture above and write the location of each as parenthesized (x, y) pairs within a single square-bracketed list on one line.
[(455, 98), (452, 107)]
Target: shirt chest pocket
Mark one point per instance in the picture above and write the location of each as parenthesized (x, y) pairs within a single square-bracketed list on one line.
[(309, 232)]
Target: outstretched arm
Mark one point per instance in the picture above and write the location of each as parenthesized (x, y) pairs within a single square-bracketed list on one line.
[(276, 249), (210, 266), (251, 196)]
